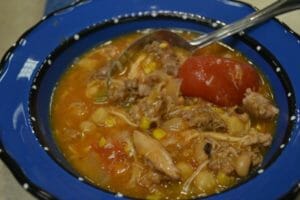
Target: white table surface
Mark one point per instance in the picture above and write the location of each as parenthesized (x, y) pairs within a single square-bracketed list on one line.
[(11, 190)]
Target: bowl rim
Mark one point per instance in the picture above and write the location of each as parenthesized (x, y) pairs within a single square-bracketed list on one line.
[(16, 170)]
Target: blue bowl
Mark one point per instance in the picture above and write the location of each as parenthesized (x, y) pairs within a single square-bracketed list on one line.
[(32, 67)]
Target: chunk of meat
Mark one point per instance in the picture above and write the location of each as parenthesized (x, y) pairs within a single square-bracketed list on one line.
[(154, 107), (222, 158), (153, 151), (154, 78), (149, 178), (165, 54), (229, 158), (144, 90), (127, 91), (255, 137), (259, 106), (117, 91), (143, 176), (130, 90)]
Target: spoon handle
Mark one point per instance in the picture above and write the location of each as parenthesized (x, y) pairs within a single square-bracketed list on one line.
[(276, 8)]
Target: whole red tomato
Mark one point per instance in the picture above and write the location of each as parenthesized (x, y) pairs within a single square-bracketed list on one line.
[(220, 80)]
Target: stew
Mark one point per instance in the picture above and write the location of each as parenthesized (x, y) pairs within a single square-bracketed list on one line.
[(169, 126)]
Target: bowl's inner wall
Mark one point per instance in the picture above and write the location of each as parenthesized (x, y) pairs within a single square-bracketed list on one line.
[(65, 54)]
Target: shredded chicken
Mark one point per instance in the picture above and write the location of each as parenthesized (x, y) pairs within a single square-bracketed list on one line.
[(201, 117), (187, 183), (153, 151), (123, 116), (254, 137)]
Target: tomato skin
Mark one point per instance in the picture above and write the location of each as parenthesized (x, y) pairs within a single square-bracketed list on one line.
[(220, 80)]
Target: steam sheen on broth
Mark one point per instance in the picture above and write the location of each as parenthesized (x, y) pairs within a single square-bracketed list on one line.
[(168, 126)]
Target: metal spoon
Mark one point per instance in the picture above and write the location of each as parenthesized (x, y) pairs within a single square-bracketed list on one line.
[(276, 8)]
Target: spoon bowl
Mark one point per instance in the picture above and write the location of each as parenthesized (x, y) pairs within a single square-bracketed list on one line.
[(276, 8)]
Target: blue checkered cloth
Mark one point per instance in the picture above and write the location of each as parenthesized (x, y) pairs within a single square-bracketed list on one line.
[(52, 5)]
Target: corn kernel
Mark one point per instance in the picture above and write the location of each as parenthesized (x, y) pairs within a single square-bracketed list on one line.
[(187, 107), (102, 142), (145, 123), (110, 122), (163, 45), (258, 127), (150, 67), (159, 133)]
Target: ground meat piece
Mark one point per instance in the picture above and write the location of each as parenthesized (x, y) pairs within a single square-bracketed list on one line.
[(143, 108), (149, 178), (170, 64), (153, 79), (135, 113), (222, 158), (149, 95), (131, 84), (131, 89), (224, 165), (259, 106), (148, 107), (256, 156), (255, 137), (165, 54), (117, 91), (127, 91), (144, 90), (154, 107), (204, 120), (144, 176)]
